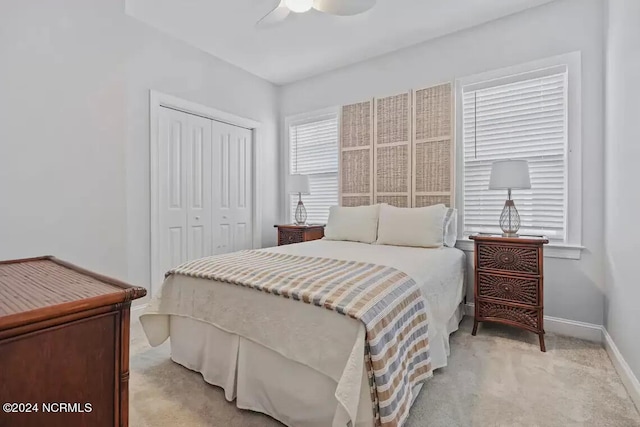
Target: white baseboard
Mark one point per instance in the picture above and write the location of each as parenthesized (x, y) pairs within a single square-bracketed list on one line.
[(624, 370), (556, 325), (573, 328)]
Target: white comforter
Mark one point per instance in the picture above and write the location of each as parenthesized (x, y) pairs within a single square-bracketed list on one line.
[(330, 344), (438, 272)]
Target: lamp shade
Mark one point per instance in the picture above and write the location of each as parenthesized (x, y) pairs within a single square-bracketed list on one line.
[(509, 175), (299, 184)]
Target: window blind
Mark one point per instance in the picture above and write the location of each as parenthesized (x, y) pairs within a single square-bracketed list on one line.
[(523, 119), (313, 151)]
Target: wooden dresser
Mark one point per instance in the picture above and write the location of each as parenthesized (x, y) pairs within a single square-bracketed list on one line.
[(509, 282), (288, 234), (64, 345)]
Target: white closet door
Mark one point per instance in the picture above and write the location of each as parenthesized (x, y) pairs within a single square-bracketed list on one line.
[(232, 188), (185, 187), (203, 201), (172, 188), (198, 171)]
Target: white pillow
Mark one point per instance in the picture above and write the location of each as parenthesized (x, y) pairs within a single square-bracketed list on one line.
[(450, 227), (421, 227), (356, 224)]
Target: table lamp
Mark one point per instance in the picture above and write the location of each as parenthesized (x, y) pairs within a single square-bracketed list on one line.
[(299, 184), (509, 175)]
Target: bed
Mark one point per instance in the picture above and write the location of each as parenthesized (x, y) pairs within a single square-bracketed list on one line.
[(295, 362)]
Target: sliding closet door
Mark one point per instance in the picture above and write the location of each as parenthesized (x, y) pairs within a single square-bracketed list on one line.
[(198, 171), (204, 195), (185, 187), (173, 186), (232, 188)]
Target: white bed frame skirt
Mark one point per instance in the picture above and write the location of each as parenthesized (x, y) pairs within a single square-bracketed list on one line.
[(263, 380)]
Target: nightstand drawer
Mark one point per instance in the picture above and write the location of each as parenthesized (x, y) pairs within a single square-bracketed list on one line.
[(290, 236), (526, 317), (509, 288), (508, 257)]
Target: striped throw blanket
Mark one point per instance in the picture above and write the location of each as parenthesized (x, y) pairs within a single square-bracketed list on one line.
[(384, 299)]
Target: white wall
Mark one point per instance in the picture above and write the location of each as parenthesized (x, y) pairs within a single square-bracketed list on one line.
[(74, 133), (573, 289), (74, 163), (622, 204)]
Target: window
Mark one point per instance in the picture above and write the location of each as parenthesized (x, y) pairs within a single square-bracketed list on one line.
[(523, 115), (313, 151)]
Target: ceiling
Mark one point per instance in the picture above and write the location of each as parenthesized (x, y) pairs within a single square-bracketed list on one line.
[(312, 43)]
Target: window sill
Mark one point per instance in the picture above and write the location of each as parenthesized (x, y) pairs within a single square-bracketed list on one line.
[(552, 250)]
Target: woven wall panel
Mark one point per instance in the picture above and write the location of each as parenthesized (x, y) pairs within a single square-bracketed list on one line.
[(397, 201), (433, 112), (392, 144), (433, 147), (393, 119), (392, 169), (398, 150), (356, 154), (422, 201), (433, 166), (352, 201), (356, 171), (355, 127)]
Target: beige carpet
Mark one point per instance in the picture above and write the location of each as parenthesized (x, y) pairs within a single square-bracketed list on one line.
[(498, 378)]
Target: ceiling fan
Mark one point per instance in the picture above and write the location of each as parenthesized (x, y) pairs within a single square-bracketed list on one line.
[(332, 7)]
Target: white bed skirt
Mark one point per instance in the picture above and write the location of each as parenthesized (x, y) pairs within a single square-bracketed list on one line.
[(263, 380)]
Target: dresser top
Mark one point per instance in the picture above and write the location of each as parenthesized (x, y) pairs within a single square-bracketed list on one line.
[(37, 284)]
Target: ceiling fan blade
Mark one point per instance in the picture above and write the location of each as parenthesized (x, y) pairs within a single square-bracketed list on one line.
[(276, 16), (343, 7)]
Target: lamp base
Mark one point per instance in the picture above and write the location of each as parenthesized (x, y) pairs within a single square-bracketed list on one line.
[(510, 235), (301, 213), (509, 219)]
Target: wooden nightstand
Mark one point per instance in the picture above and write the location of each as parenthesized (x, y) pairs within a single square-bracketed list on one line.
[(291, 233), (509, 282)]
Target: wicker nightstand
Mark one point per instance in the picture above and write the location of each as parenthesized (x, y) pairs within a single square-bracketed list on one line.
[(291, 233), (509, 282)]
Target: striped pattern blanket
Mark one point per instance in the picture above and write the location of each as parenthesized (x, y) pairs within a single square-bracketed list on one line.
[(384, 299)]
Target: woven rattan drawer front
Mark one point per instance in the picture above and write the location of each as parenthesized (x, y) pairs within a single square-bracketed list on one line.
[(508, 288), (290, 236), (508, 257), (527, 317)]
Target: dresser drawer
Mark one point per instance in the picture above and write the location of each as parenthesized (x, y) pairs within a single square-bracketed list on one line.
[(290, 236), (528, 318), (508, 257), (509, 288)]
